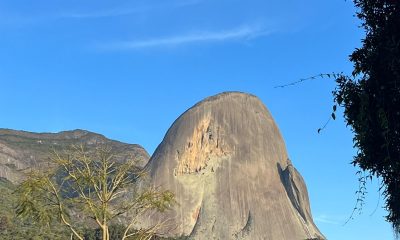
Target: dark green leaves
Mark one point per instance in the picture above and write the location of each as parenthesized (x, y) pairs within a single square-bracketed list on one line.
[(370, 98)]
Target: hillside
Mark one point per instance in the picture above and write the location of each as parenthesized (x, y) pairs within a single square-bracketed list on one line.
[(21, 151)]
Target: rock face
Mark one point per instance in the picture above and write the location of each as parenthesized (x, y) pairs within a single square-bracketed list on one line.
[(21, 151), (226, 161)]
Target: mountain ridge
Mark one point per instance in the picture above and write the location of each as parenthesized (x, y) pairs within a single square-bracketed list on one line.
[(23, 150)]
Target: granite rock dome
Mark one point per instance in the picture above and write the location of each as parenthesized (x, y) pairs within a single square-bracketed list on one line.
[(227, 163)]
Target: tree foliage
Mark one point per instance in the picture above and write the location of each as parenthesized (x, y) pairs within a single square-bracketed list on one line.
[(15, 228), (91, 189), (371, 99)]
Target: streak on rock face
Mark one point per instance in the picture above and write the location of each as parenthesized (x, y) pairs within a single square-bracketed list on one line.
[(245, 231), (205, 144), (220, 158)]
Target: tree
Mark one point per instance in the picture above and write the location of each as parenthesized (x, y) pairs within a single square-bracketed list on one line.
[(91, 188), (371, 100)]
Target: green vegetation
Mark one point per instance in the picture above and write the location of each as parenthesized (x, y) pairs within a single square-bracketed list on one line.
[(371, 101), (82, 190), (15, 228)]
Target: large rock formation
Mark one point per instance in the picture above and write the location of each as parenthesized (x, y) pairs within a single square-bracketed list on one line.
[(226, 161), (21, 151)]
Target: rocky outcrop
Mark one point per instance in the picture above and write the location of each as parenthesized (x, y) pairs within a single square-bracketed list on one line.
[(21, 151), (226, 161)]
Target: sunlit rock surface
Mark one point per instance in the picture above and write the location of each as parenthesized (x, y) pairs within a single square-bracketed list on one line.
[(226, 161)]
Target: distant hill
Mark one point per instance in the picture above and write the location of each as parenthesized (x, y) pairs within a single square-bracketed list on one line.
[(21, 151)]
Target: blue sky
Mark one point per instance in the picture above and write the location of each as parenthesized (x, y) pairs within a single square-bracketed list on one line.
[(128, 69)]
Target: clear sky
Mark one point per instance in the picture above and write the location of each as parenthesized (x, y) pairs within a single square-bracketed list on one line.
[(128, 69)]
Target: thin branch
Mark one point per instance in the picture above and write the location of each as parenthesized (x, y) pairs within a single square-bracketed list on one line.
[(326, 124), (322, 75), (61, 211), (379, 199)]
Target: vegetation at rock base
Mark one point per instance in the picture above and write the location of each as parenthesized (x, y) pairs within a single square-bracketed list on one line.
[(84, 189), (15, 228)]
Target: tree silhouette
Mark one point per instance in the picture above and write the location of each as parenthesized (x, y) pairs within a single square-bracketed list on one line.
[(371, 100)]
